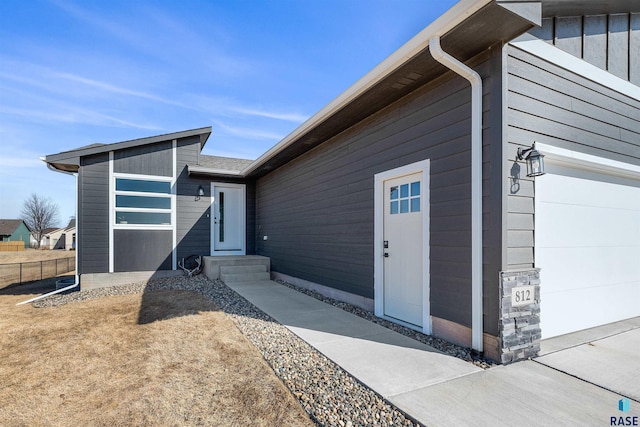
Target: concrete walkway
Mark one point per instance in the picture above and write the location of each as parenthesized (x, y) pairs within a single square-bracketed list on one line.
[(437, 389)]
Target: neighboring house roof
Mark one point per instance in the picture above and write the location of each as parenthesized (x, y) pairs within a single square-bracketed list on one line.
[(72, 224), (9, 226), (48, 231)]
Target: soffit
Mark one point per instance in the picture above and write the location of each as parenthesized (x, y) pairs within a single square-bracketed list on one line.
[(490, 25)]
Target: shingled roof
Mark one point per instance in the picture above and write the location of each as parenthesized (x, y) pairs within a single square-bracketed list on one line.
[(224, 163), (8, 226)]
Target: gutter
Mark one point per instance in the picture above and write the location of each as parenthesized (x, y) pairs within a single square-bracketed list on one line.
[(476, 185), (445, 23), (77, 278)]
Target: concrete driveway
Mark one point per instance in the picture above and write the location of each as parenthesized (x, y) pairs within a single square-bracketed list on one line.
[(578, 380), (608, 356)]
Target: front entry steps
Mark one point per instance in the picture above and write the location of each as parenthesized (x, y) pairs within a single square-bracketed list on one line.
[(232, 269), (243, 273)]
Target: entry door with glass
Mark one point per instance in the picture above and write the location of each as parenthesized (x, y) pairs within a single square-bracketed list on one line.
[(403, 246), (228, 219)]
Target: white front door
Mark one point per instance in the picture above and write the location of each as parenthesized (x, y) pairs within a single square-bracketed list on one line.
[(402, 274), (228, 219)]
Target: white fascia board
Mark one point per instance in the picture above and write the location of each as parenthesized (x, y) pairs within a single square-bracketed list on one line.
[(445, 23), (588, 162), (552, 54)]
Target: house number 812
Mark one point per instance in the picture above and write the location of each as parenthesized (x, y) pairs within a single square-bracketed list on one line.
[(522, 295)]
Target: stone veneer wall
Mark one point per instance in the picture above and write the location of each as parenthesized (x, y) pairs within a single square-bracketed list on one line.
[(520, 331)]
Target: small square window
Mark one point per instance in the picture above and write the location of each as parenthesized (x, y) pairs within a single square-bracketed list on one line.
[(404, 190), (404, 206), (394, 193), (415, 204), (394, 208), (415, 188)]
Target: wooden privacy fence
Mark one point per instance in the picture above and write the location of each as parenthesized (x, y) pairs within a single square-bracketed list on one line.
[(11, 246), (38, 270)]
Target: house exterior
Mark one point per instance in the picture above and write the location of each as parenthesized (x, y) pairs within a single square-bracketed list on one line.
[(60, 238), (14, 230), (406, 195)]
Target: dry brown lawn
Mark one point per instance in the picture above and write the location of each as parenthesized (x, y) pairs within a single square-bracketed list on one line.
[(165, 358), (32, 255)]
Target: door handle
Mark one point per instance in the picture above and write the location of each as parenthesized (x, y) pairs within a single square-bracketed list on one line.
[(386, 255)]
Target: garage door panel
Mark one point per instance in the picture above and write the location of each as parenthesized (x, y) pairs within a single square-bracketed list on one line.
[(559, 224), (565, 312), (587, 245), (565, 268)]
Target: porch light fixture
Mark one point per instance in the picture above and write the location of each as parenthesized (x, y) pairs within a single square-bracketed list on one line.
[(200, 192), (535, 160)]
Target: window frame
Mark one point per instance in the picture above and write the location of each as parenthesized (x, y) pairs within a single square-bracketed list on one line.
[(139, 177)]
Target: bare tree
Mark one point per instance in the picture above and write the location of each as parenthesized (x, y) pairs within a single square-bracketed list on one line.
[(39, 214)]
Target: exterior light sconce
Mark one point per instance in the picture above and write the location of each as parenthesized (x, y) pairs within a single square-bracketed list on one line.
[(535, 160), (200, 192)]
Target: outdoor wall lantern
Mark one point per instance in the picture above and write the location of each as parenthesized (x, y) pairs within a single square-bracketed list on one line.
[(535, 160), (200, 192)]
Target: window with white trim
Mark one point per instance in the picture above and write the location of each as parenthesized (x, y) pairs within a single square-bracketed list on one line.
[(405, 198), (142, 201)]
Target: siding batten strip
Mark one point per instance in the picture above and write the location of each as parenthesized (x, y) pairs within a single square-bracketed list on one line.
[(111, 211), (174, 204)]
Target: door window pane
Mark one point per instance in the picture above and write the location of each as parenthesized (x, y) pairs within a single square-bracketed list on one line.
[(404, 190), (415, 188), (405, 198), (394, 193), (221, 220), (415, 204)]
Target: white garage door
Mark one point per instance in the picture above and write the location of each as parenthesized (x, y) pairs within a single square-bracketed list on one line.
[(587, 245)]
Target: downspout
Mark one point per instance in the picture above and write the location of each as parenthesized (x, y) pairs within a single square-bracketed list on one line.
[(77, 279), (476, 185)]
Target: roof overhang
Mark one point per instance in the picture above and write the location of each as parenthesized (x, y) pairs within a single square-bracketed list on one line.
[(69, 161), (467, 29)]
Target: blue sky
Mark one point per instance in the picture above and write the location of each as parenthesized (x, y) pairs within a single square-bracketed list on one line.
[(73, 73)]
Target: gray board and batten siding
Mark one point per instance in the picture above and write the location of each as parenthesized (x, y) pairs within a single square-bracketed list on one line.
[(93, 221), (317, 210), (610, 42), (551, 105)]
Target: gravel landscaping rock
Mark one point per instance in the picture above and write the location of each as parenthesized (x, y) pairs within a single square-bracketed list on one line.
[(330, 395)]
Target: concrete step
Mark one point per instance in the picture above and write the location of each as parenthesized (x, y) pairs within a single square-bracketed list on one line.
[(242, 269), (245, 277), (213, 265)]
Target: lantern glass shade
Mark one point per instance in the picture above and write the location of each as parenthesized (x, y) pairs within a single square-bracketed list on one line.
[(200, 191), (535, 164)]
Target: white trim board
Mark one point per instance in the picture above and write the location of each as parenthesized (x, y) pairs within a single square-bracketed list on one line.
[(554, 55), (112, 211), (378, 277), (589, 162)]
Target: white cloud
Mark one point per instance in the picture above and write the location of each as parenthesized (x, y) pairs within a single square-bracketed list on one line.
[(290, 117)]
